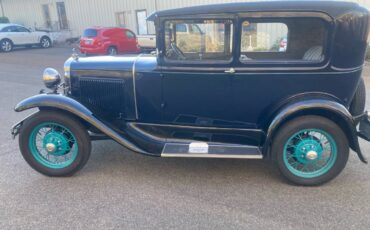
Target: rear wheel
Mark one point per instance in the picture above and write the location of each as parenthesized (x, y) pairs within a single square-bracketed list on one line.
[(310, 150), (6, 45), (54, 144), (112, 51)]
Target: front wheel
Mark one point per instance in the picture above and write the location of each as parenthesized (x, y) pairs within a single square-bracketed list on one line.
[(54, 144), (6, 45), (45, 42), (310, 150)]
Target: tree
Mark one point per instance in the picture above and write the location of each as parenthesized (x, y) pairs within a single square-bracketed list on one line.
[(4, 20)]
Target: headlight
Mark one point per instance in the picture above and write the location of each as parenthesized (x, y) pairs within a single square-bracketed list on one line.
[(51, 78)]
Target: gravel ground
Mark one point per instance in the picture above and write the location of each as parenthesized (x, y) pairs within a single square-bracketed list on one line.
[(121, 190)]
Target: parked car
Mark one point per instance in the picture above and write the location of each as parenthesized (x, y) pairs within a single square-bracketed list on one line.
[(12, 35), (112, 41), (216, 96), (147, 43)]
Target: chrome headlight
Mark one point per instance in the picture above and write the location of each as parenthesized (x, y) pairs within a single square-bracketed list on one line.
[(51, 78)]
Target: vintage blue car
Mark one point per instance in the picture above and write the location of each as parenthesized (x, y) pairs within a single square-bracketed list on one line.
[(276, 80)]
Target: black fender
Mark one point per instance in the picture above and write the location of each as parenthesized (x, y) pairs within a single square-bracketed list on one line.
[(322, 107), (67, 104)]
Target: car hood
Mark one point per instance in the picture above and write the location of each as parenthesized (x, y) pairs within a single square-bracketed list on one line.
[(121, 63)]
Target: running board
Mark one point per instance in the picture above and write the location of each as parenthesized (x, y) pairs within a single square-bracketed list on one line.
[(205, 150)]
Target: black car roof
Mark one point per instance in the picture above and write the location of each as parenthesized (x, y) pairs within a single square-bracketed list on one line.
[(333, 8)]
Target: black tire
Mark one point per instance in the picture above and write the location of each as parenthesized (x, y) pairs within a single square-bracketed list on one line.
[(318, 123), (112, 51), (45, 42), (78, 130), (357, 106), (6, 45)]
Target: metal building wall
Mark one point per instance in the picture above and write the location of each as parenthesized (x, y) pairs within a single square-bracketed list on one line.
[(85, 13)]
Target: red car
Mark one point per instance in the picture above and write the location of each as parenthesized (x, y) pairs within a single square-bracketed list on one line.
[(111, 41)]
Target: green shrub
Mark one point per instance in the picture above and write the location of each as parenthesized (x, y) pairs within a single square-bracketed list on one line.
[(368, 53), (4, 20)]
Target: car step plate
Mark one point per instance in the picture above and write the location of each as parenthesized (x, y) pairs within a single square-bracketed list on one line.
[(207, 150)]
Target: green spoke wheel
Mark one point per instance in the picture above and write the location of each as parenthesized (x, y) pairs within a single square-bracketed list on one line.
[(310, 150), (54, 144), (310, 153)]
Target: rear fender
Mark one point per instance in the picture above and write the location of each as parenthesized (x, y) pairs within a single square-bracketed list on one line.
[(63, 103), (321, 107)]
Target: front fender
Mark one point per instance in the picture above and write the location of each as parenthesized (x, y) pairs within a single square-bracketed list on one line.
[(63, 103), (322, 107)]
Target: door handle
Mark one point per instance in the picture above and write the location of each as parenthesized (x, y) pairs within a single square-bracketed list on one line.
[(231, 70)]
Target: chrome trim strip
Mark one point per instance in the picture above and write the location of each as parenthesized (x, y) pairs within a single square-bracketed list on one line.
[(205, 155), (348, 69), (134, 85)]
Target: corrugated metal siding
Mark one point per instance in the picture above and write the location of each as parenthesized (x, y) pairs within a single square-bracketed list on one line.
[(86, 13)]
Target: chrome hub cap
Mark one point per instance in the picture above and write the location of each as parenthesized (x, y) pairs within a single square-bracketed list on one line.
[(50, 147), (311, 155)]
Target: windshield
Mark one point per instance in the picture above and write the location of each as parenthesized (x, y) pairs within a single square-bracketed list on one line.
[(90, 33)]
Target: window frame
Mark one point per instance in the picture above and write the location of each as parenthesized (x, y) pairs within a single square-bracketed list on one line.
[(283, 18), (171, 62)]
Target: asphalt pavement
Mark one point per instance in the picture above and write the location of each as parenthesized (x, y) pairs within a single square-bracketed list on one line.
[(119, 189)]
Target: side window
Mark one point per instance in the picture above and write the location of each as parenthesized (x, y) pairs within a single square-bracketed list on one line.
[(180, 28), (199, 40), (10, 29), (264, 37), (294, 39), (22, 29), (129, 34)]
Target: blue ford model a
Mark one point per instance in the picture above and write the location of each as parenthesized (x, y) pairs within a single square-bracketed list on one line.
[(268, 80)]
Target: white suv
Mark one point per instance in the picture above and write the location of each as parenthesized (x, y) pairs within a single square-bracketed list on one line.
[(16, 35)]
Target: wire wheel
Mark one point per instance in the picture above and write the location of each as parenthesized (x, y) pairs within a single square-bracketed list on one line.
[(53, 145), (310, 153)]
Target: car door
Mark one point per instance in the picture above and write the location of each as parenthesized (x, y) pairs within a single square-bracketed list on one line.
[(11, 32), (276, 63), (25, 36), (131, 44), (197, 73)]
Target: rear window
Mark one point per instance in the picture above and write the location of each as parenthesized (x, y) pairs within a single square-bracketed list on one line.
[(90, 33), (293, 39)]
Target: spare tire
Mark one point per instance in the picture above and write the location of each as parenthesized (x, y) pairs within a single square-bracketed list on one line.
[(357, 106)]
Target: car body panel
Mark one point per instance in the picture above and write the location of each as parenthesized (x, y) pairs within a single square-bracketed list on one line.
[(151, 100), (109, 37)]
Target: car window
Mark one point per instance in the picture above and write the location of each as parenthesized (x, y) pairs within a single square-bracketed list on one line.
[(206, 40), (10, 29), (90, 33), (180, 28), (294, 39), (22, 29), (129, 34)]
